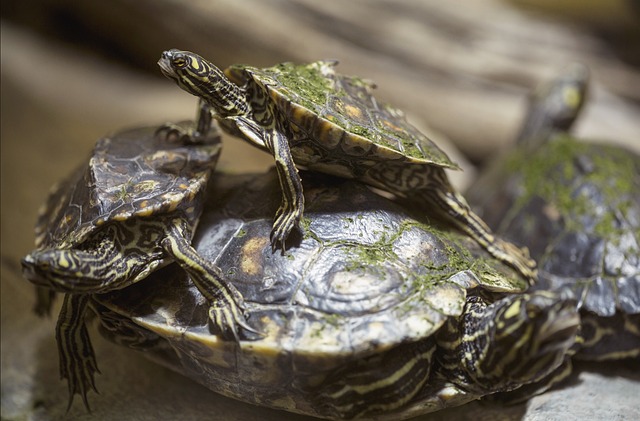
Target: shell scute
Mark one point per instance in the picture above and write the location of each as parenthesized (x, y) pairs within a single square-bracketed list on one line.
[(136, 173)]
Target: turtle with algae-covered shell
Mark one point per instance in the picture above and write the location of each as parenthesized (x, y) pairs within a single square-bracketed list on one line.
[(311, 116), (131, 210), (374, 314), (576, 206)]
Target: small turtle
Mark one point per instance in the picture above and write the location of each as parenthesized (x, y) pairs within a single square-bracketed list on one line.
[(374, 314), (576, 206), (311, 116), (131, 210)]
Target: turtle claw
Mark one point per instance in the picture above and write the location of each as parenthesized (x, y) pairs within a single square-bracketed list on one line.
[(285, 222), (175, 133), (227, 318)]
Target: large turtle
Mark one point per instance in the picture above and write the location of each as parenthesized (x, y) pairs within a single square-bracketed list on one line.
[(576, 206), (131, 210), (311, 116), (374, 314)]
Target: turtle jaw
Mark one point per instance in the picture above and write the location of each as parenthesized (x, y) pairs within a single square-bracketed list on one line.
[(165, 65), (43, 270), (31, 272)]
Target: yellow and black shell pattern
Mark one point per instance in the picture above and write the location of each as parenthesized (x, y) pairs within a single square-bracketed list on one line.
[(365, 280), (331, 115), (139, 173)]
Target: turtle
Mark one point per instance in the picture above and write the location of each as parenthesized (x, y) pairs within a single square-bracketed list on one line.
[(129, 211), (376, 314), (575, 206), (311, 116)]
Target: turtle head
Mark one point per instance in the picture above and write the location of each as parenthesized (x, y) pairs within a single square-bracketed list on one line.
[(203, 79), (60, 270), (92, 266), (555, 105)]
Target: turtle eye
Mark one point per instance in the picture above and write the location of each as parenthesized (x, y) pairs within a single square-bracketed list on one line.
[(179, 62)]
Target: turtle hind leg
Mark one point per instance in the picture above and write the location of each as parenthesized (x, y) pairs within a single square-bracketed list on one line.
[(530, 390), (455, 208), (226, 302), (377, 384), (77, 359), (428, 185)]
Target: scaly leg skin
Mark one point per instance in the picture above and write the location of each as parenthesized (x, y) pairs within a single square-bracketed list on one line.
[(458, 211), (530, 390), (428, 185), (77, 359), (226, 302), (292, 207)]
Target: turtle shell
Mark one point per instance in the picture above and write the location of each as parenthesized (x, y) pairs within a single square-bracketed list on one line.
[(333, 115), (136, 173), (576, 206), (367, 279)]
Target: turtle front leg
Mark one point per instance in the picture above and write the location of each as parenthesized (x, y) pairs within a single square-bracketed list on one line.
[(292, 206), (77, 359), (226, 302)]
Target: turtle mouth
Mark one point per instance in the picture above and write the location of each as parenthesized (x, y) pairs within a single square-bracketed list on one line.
[(31, 272), (165, 66)]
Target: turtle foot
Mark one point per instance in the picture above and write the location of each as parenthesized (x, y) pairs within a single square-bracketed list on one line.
[(231, 322), (516, 257), (285, 222), (226, 302), (172, 132)]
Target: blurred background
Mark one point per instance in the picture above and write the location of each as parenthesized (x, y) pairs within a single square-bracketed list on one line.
[(73, 71)]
